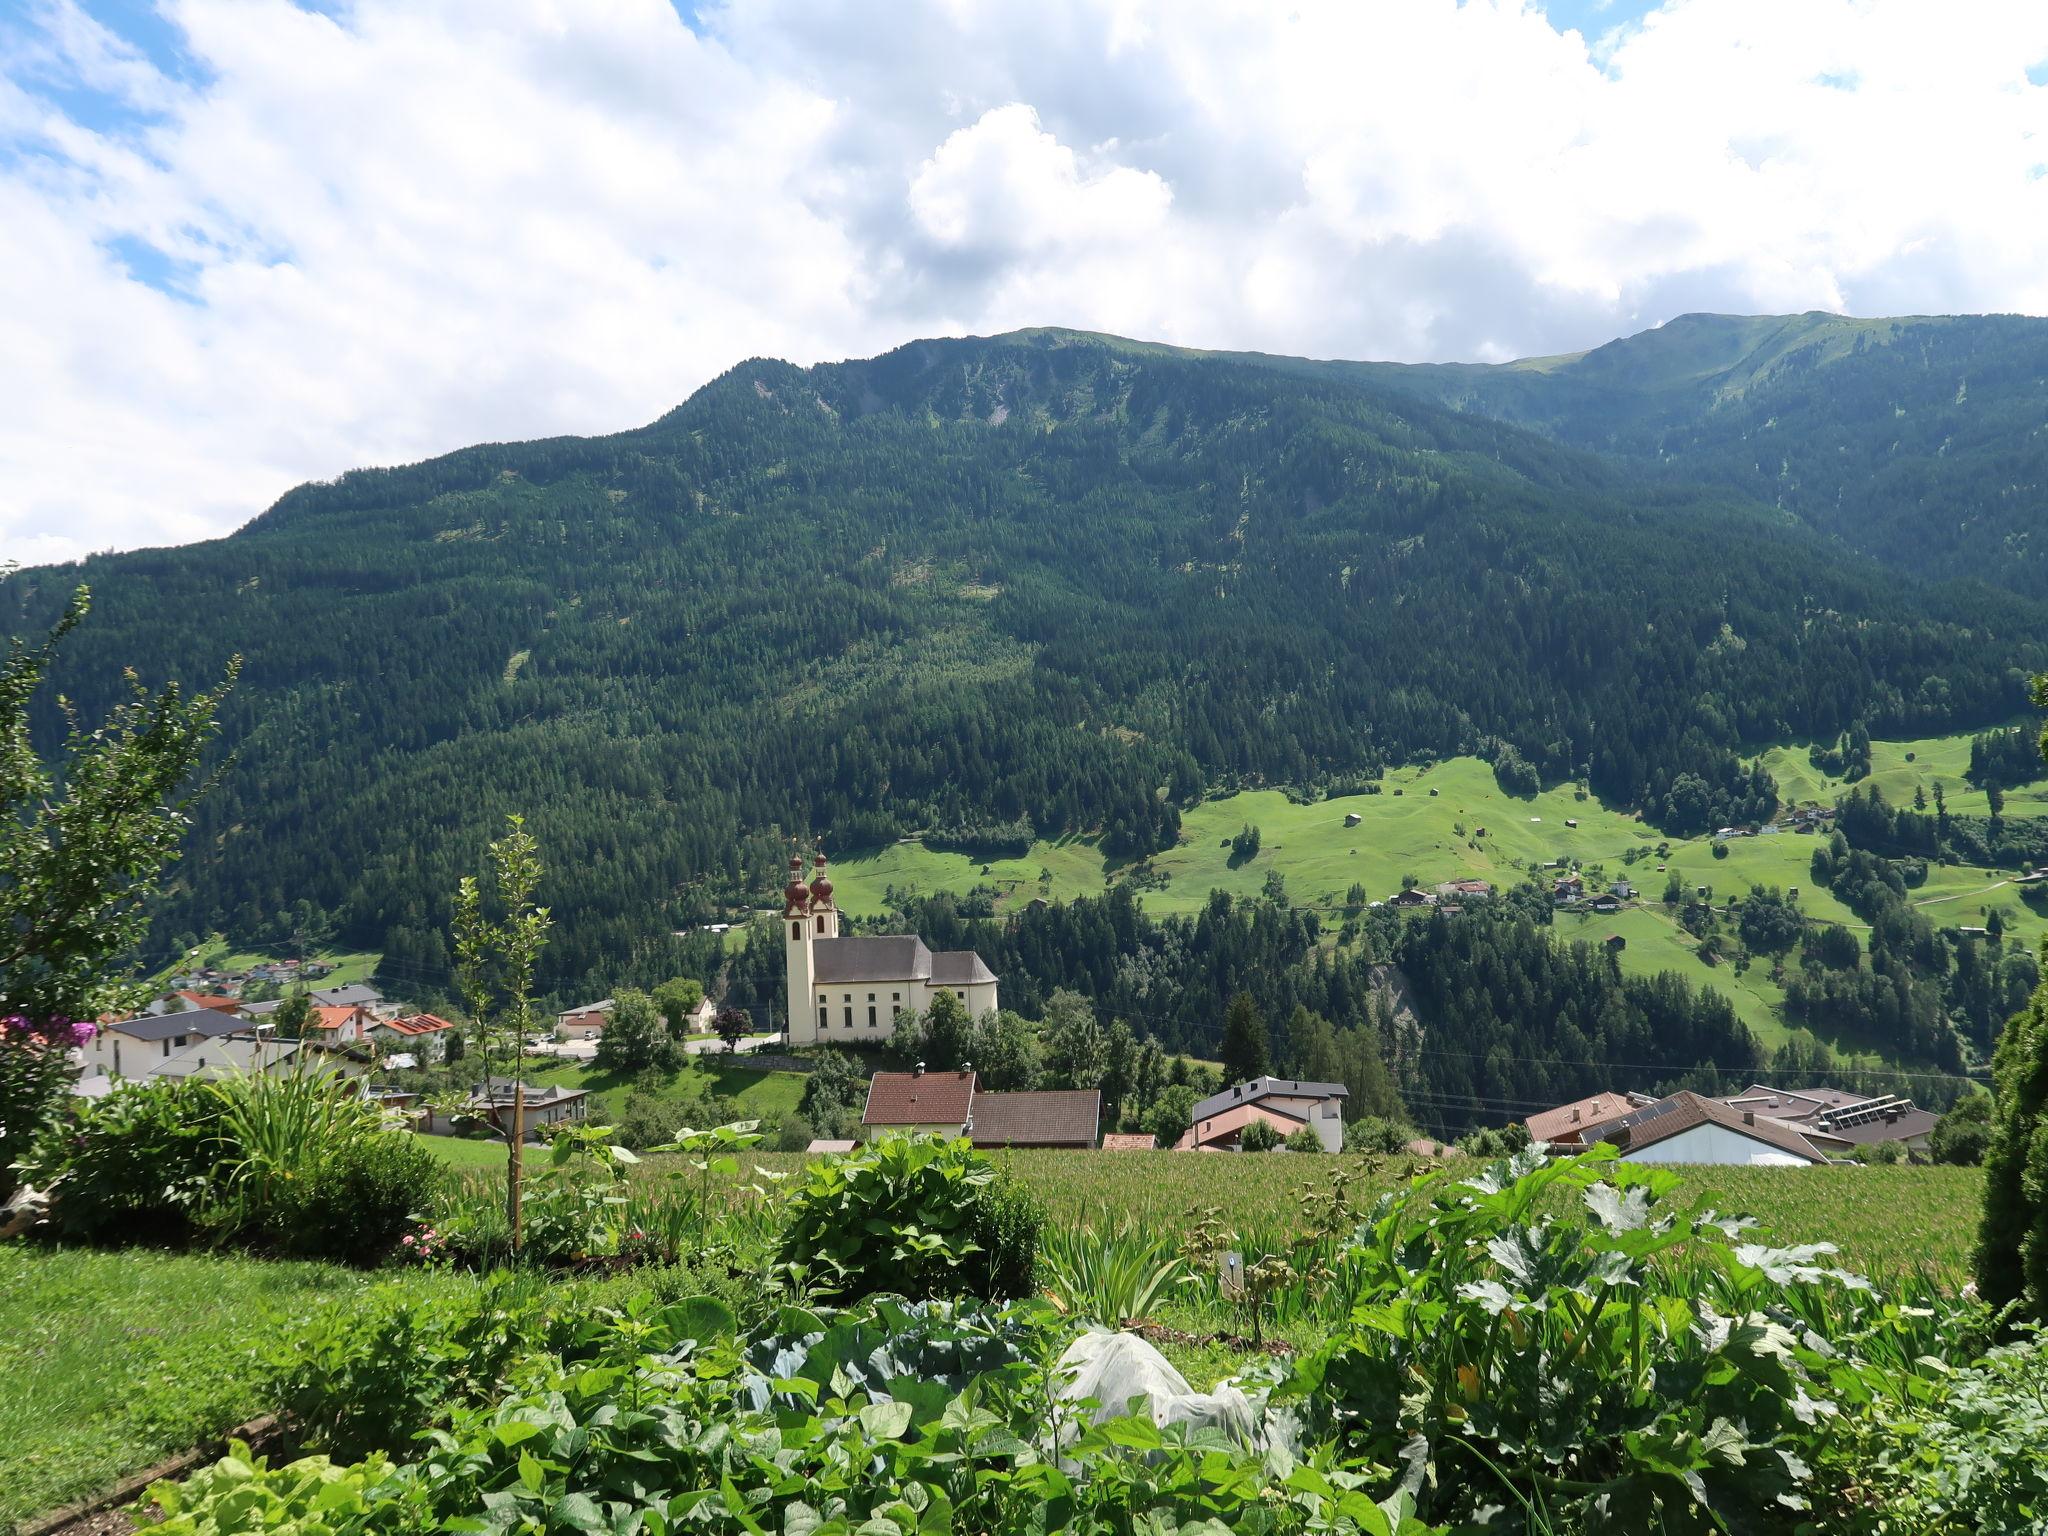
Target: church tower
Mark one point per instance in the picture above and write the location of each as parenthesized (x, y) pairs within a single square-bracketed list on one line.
[(800, 963), (824, 916)]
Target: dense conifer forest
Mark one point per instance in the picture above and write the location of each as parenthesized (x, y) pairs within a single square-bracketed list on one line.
[(1049, 583)]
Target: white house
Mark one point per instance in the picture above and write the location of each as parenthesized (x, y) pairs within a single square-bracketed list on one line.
[(129, 1047), (585, 1023), (852, 990), (1686, 1128)]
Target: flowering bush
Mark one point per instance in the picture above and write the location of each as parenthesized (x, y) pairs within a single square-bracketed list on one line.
[(426, 1246)]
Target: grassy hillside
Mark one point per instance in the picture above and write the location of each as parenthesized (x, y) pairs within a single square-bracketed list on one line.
[(1452, 821)]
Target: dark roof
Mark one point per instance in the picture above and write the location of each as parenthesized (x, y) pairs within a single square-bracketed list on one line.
[(959, 968), (207, 1023), (1267, 1088), (919, 1098), (357, 996), (1684, 1111), (1795, 1103), (499, 1091), (1911, 1123), (1065, 1117), (897, 957)]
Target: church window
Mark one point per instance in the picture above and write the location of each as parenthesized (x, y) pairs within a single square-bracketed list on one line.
[(959, 994), (821, 925), (824, 1016), (895, 997), (796, 930), (871, 1016), (849, 1018)]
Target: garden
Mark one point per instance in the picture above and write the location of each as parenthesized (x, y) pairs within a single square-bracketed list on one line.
[(918, 1336)]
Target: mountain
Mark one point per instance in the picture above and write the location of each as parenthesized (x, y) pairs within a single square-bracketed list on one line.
[(1046, 582), (1922, 441)]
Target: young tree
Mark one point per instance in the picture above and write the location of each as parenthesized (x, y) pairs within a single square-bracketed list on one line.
[(495, 959), (634, 1037), (678, 999), (1005, 1052), (293, 1015), (83, 847), (732, 1025), (1076, 1053), (1244, 1040), (1172, 1114)]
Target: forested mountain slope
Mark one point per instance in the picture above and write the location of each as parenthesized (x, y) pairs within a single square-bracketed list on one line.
[(1922, 441), (1045, 578)]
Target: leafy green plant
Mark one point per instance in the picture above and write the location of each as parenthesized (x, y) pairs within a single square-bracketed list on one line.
[(1259, 1136), (905, 1215), (1114, 1278)]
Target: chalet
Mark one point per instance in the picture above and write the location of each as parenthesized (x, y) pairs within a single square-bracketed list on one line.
[(1287, 1104), (1687, 1128), (1412, 897), (1352, 818), (1606, 904), (1615, 943), (853, 990), (1567, 888), (1466, 888)]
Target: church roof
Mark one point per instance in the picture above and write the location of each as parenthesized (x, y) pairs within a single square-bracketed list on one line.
[(959, 968), (897, 957)]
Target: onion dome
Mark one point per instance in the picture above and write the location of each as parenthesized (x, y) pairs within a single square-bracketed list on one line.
[(821, 887), (794, 895)]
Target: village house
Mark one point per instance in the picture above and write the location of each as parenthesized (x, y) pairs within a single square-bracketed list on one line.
[(853, 990), (1687, 1128), (1069, 1118), (339, 1024), (492, 1101), (1567, 888), (938, 1103), (585, 1023), (128, 1047), (252, 1051), (1413, 896), (1838, 1120), (954, 1104), (423, 1036), (1561, 1126), (1287, 1104)]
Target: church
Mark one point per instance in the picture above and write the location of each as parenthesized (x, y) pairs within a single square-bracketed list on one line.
[(850, 991)]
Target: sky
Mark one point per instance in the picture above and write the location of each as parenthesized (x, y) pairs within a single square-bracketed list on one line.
[(249, 243)]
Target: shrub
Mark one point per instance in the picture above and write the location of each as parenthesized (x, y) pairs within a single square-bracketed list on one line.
[(1259, 1136), (1964, 1133), (1304, 1140), (1496, 1141), (1378, 1133), (296, 1163), (134, 1166), (354, 1203), (914, 1216)]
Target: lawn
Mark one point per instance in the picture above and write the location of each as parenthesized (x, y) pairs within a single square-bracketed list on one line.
[(111, 1361)]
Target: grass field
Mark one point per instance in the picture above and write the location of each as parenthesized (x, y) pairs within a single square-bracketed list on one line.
[(1452, 821), (111, 1361)]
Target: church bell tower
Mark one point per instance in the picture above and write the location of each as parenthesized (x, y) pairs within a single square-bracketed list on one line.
[(800, 964)]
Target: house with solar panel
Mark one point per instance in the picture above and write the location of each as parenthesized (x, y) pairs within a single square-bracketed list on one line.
[(844, 990)]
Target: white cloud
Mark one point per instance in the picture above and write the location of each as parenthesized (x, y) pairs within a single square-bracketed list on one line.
[(422, 223)]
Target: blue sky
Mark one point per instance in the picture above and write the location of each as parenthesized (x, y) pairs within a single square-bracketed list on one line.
[(267, 242)]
